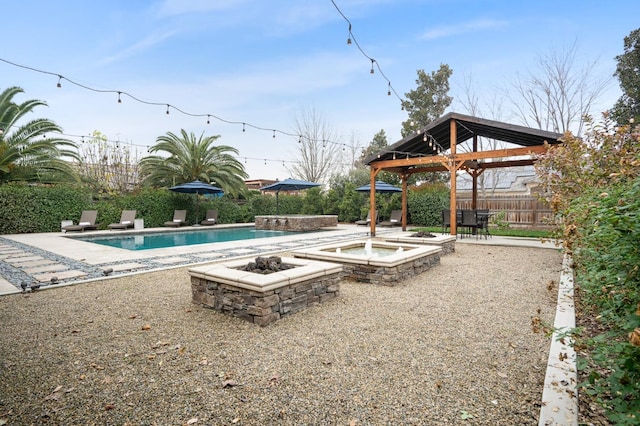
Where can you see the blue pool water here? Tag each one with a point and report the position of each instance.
(183, 238)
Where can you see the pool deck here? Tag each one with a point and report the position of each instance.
(39, 258)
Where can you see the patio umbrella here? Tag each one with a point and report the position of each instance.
(196, 187)
(382, 187)
(288, 185)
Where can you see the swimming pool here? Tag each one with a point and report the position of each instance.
(183, 238)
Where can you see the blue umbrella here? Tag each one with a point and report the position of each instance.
(288, 185)
(382, 187)
(197, 187)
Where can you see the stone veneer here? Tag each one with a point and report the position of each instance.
(263, 299)
(446, 242)
(387, 270)
(295, 222)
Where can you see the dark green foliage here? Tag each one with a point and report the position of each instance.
(312, 202)
(26, 209)
(628, 106)
(608, 273)
(426, 204)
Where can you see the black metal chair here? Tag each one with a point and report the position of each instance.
(469, 222)
(446, 220)
(482, 218)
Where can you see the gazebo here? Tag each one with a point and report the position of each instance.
(434, 149)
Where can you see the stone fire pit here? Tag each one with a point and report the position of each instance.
(272, 289)
(446, 242)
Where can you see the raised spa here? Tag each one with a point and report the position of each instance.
(377, 262)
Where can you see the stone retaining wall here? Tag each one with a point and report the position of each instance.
(390, 276)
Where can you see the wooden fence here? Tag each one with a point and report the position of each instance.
(522, 211)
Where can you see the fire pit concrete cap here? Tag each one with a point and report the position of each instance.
(228, 273)
(409, 253)
(405, 237)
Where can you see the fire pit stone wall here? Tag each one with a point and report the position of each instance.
(263, 299)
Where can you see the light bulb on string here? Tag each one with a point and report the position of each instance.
(208, 122)
(265, 161)
(59, 80)
(394, 155)
(243, 127)
(167, 109)
(119, 100)
(299, 138)
(349, 38)
(245, 160)
(274, 134)
(424, 137)
(372, 71)
(389, 90)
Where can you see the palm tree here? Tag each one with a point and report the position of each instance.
(27, 151)
(192, 158)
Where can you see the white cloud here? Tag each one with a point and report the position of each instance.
(463, 28)
(142, 45)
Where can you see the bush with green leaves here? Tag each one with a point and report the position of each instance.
(593, 187)
(426, 202)
(28, 208)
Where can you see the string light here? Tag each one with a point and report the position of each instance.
(121, 93)
(274, 134)
(373, 61)
(208, 122)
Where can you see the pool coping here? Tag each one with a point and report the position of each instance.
(94, 262)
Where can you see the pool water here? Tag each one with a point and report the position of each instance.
(184, 238)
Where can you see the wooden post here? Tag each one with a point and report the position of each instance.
(404, 201)
(372, 201)
(453, 170)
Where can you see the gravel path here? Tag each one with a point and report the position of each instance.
(452, 346)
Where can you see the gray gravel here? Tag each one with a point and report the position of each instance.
(452, 346)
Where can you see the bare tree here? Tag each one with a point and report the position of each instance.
(556, 96)
(108, 166)
(319, 151)
(470, 101)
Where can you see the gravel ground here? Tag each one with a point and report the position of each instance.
(454, 345)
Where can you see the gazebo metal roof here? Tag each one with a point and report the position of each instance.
(467, 127)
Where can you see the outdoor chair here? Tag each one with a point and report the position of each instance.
(482, 218)
(87, 221)
(211, 219)
(446, 220)
(367, 221)
(179, 219)
(394, 220)
(469, 222)
(126, 220)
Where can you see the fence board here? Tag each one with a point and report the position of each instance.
(525, 211)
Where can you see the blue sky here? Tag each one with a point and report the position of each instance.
(263, 61)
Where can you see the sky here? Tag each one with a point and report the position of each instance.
(265, 62)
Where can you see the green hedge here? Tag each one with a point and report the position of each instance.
(426, 203)
(27, 209)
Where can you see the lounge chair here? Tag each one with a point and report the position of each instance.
(211, 219)
(87, 221)
(179, 219)
(394, 220)
(126, 220)
(367, 221)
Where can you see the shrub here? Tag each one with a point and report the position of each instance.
(426, 203)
